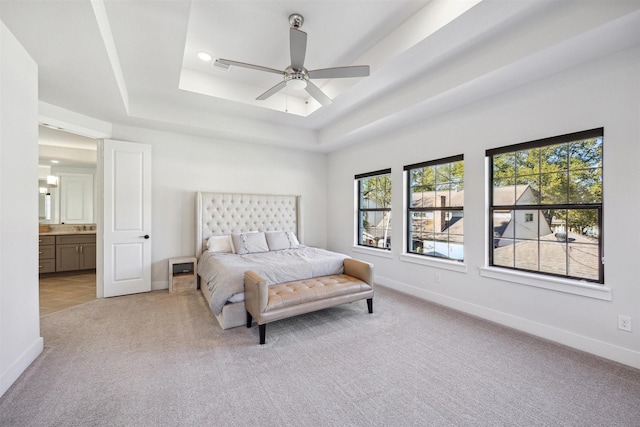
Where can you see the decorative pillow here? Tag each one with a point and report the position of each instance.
(220, 244)
(249, 243)
(278, 240)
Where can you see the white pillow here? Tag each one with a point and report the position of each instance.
(222, 244)
(249, 243)
(278, 240)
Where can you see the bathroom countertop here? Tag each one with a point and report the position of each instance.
(62, 232)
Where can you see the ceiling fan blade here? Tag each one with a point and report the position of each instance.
(319, 95)
(340, 72)
(272, 91)
(298, 48)
(250, 66)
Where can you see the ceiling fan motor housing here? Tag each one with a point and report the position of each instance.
(291, 74)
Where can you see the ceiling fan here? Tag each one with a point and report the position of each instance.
(295, 75)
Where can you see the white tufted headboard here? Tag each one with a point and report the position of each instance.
(226, 213)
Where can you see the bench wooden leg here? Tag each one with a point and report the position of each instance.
(249, 319)
(263, 332)
(370, 304)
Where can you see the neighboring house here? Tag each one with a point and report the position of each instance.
(428, 227)
(521, 225)
(526, 224)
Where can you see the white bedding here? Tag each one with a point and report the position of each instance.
(223, 273)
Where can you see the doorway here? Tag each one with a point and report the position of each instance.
(67, 218)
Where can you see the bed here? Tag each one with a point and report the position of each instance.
(268, 235)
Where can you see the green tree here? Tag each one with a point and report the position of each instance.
(568, 173)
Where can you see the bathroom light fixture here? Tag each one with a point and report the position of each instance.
(52, 181)
(43, 190)
(204, 56)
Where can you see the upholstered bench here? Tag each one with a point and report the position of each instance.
(268, 303)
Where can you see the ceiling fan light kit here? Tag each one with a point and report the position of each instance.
(296, 76)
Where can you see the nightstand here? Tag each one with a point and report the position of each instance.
(183, 273)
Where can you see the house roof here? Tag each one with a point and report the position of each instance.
(507, 194)
(551, 251)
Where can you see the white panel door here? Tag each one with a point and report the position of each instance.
(127, 218)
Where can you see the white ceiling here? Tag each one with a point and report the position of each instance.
(59, 148)
(125, 61)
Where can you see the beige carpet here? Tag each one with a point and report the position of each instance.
(160, 359)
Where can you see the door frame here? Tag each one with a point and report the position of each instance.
(72, 122)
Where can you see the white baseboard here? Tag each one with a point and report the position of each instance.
(16, 369)
(570, 339)
(156, 286)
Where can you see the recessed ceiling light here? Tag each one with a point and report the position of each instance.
(55, 161)
(204, 56)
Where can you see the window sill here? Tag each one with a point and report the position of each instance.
(383, 253)
(435, 262)
(569, 286)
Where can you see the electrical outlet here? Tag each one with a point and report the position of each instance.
(624, 322)
(436, 278)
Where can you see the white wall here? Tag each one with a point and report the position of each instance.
(604, 93)
(20, 341)
(182, 165)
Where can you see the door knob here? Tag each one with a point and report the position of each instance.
(146, 236)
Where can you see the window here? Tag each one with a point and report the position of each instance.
(374, 209)
(435, 194)
(546, 206)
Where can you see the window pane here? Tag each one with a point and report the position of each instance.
(456, 244)
(420, 199)
(504, 166)
(526, 225)
(502, 228)
(442, 196)
(423, 179)
(585, 186)
(527, 162)
(583, 223)
(503, 256)
(586, 153)
(584, 260)
(421, 225)
(526, 254)
(443, 173)
(376, 229)
(428, 244)
(457, 176)
(375, 192)
(504, 192)
(455, 224)
(554, 158)
(441, 244)
(527, 190)
(554, 188)
(553, 256)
